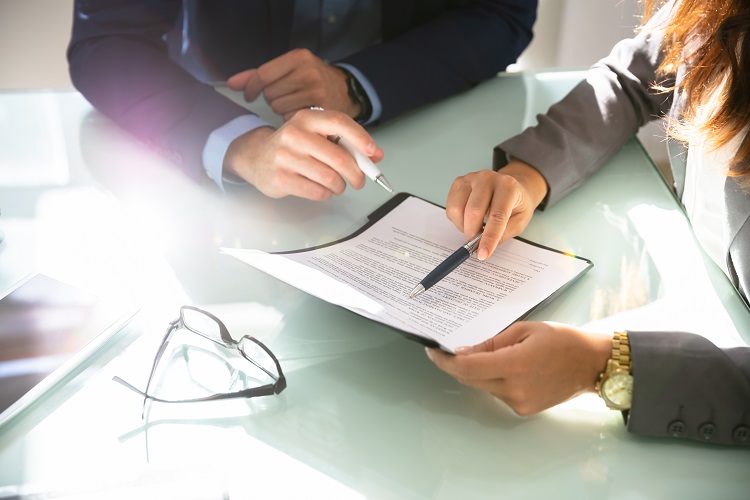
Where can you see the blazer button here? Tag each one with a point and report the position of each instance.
(741, 434)
(676, 428)
(707, 431)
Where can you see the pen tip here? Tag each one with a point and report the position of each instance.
(381, 180)
(418, 290)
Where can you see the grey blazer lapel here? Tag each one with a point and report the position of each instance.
(678, 161)
(737, 207)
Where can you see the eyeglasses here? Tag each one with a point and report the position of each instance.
(203, 376)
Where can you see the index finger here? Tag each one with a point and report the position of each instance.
(455, 205)
(334, 123)
(499, 212)
(248, 82)
(256, 80)
(239, 80)
(277, 68)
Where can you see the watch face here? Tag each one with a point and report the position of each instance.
(618, 390)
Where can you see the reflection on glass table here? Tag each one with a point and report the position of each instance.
(47, 330)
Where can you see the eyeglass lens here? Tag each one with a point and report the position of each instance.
(259, 357)
(201, 323)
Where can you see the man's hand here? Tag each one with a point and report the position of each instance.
(296, 80)
(298, 159)
(506, 198)
(531, 366)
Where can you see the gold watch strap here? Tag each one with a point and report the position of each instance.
(621, 349)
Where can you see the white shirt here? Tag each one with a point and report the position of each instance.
(703, 197)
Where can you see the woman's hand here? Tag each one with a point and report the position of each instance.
(507, 199)
(531, 366)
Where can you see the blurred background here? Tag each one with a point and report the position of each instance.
(568, 33)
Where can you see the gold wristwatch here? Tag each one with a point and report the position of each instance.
(615, 383)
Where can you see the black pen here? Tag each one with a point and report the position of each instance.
(447, 266)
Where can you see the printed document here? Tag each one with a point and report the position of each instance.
(372, 272)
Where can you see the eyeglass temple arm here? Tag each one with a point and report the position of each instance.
(264, 390)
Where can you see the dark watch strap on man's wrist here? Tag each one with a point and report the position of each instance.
(358, 95)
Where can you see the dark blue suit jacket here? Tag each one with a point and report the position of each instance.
(119, 59)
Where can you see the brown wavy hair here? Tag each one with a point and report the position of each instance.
(709, 39)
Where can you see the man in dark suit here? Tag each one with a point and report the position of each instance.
(147, 63)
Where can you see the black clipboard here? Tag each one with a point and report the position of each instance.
(372, 218)
(380, 212)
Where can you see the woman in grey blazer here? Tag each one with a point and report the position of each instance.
(666, 383)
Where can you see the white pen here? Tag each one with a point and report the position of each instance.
(365, 164)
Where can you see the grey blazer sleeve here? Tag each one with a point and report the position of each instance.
(590, 125)
(686, 387)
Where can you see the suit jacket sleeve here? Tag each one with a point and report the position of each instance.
(686, 387)
(590, 125)
(119, 61)
(429, 52)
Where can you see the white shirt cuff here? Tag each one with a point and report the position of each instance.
(218, 142)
